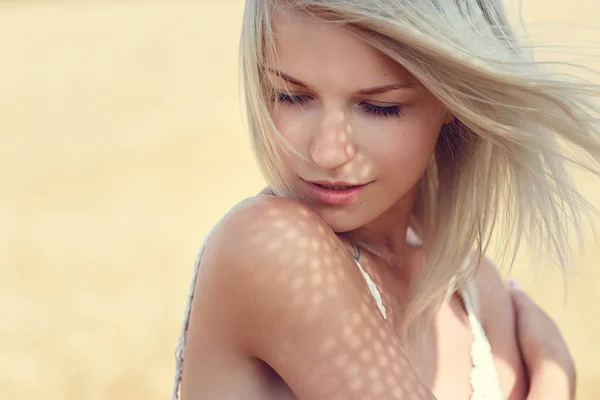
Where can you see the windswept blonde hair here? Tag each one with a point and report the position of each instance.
(500, 166)
(500, 169)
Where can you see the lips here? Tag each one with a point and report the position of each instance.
(334, 193)
(334, 184)
(335, 187)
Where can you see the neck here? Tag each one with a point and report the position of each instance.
(386, 236)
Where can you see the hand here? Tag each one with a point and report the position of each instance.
(550, 366)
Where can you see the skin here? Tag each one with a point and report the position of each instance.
(327, 121)
(547, 358)
(280, 310)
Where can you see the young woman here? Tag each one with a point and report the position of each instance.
(395, 136)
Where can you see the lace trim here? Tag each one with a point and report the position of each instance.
(373, 289)
(484, 378)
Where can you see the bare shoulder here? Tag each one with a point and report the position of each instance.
(490, 288)
(268, 225)
(284, 289)
(493, 298)
(498, 318)
(266, 240)
(233, 285)
(257, 238)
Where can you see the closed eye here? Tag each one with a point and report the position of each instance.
(286, 98)
(368, 108)
(381, 111)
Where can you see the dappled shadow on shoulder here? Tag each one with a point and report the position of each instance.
(329, 335)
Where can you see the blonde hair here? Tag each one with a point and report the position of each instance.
(500, 169)
(500, 166)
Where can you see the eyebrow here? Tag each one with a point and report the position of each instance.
(367, 91)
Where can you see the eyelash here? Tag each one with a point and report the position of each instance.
(368, 108)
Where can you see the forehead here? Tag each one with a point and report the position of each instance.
(329, 55)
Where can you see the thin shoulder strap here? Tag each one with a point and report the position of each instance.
(184, 326)
(373, 289)
(370, 284)
(484, 378)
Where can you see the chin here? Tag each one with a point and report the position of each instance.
(340, 220)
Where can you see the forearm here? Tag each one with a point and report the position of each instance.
(550, 381)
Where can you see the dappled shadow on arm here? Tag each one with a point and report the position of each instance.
(321, 329)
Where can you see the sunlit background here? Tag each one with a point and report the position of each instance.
(122, 141)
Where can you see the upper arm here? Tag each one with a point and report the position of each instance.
(215, 366)
(303, 308)
(498, 318)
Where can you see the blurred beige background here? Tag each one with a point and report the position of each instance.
(121, 142)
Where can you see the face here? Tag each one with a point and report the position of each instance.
(366, 128)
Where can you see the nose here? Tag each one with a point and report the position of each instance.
(332, 145)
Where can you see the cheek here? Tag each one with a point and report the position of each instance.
(405, 146)
(293, 126)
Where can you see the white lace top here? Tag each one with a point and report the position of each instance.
(484, 378)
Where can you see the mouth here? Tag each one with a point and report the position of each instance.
(335, 186)
(334, 193)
